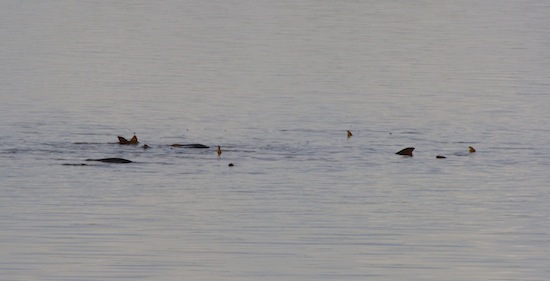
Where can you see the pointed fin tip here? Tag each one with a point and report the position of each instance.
(133, 140)
(406, 151)
(122, 140)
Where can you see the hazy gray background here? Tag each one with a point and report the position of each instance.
(276, 84)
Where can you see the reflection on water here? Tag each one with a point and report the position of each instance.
(276, 85)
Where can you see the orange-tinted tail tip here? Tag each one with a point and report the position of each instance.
(134, 140)
(219, 151)
(472, 150)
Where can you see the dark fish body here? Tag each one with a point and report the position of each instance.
(190, 145)
(111, 160)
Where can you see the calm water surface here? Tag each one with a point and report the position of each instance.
(276, 85)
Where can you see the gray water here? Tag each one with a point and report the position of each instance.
(276, 84)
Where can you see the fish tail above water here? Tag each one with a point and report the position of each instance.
(122, 140)
(133, 140)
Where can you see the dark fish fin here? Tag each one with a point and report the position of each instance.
(406, 151)
(122, 140)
